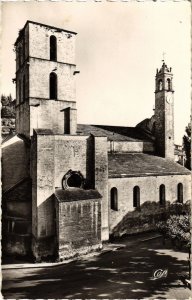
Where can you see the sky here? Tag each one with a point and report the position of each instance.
(118, 48)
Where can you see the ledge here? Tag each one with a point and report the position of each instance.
(76, 194)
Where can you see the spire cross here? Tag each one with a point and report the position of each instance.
(163, 60)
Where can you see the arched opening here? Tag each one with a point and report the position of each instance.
(162, 194)
(160, 85)
(136, 196)
(53, 86)
(73, 179)
(114, 199)
(168, 84)
(53, 48)
(180, 193)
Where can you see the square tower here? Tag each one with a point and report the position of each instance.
(45, 81)
(164, 113)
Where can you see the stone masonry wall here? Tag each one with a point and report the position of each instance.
(39, 72)
(40, 35)
(24, 71)
(33, 174)
(56, 155)
(164, 125)
(15, 162)
(78, 227)
(45, 185)
(42, 173)
(48, 114)
(37, 66)
(22, 43)
(70, 153)
(101, 180)
(23, 119)
(149, 191)
(124, 146)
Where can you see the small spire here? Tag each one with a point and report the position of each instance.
(163, 60)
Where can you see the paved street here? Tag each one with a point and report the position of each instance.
(124, 273)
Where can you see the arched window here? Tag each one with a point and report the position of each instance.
(162, 194)
(180, 193)
(114, 199)
(136, 196)
(53, 48)
(53, 86)
(24, 88)
(160, 85)
(169, 84)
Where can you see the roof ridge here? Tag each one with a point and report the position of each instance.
(121, 126)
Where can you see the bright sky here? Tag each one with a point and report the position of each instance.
(119, 46)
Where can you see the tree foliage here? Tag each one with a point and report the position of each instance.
(8, 107)
(6, 100)
(177, 227)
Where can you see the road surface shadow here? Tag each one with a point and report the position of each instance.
(125, 273)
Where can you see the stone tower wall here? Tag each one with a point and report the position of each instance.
(164, 114)
(101, 180)
(39, 43)
(33, 66)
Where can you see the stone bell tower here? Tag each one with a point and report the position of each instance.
(164, 112)
(45, 79)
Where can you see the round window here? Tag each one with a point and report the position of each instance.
(73, 179)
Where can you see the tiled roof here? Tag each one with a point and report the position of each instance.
(114, 133)
(139, 164)
(75, 194)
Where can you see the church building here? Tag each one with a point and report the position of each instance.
(68, 187)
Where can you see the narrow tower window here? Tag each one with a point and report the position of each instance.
(162, 194)
(136, 196)
(168, 84)
(67, 121)
(160, 85)
(114, 199)
(53, 86)
(180, 193)
(53, 48)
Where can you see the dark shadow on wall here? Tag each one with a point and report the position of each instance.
(16, 219)
(145, 217)
(44, 246)
(90, 164)
(122, 274)
(15, 163)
